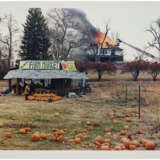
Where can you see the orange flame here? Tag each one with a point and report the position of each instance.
(99, 37)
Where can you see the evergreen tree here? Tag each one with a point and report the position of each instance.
(35, 42)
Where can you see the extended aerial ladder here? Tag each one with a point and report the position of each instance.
(139, 50)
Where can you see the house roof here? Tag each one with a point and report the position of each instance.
(44, 74)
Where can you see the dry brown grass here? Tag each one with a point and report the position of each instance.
(16, 112)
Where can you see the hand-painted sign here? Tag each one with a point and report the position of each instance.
(68, 65)
(40, 65)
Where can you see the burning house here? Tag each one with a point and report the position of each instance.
(104, 49)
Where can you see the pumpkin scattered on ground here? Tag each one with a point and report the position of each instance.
(8, 135)
(81, 136)
(126, 127)
(96, 124)
(28, 129)
(29, 123)
(77, 140)
(111, 117)
(22, 131)
(132, 147)
(99, 139)
(128, 120)
(139, 132)
(134, 142)
(105, 147)
(108, 141)
(56, 114)
(87, 123)
(148, 144)
(36, 136)
(107, 130)
(1, 125)
(123, 132)
(115, 122)
(43, 135)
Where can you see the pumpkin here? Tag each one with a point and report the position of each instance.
(88, 123)
(36, 136)
(1, 125)
(148, 144)
(107, 130)
(43, 135)
(134, 142)
(125, 141)
(8, 135)
(105, 147)
(77, 140)
(128, 120)
(54, 138)
(119, 147)
(139, 132)
(108, 141)
(60, 138)
(123, 133)
(29, 123)
(60, 132)
(96, 124)
(111, 117)
(115, 122)
(56, 114)
(22, 131)
(28, 129)
(126, 127)
(81, 136)
(99, 139)
(132, 147)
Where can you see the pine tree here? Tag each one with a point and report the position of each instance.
(35, 41)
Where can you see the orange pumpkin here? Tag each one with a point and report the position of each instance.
(105, 147)
(88, 123)
(96, 124)
(115, 122)
(126, 127)
(99, 139)
(36, 136)
(148, 144)
(28, 129)
(123, 133)
(128, 120)
(139, 132)
(29, 123)
(1, 125)
(8, 135)
(60, 138)
(111, 117)
(56, 114)
(108, 141)
(132, 147)
(134, 142)
(81, 136)
(43, 135)
(107, 130)
(22, 131)
(77, 140)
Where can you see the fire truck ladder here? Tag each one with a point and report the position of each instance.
(139, 50)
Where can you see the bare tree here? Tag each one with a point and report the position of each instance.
(7, 40)
(65, 33)
(154, 30)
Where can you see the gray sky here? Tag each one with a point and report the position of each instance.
(129, 19)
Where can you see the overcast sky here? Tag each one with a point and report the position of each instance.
(129, 19)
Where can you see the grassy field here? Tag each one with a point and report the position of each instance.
(107, 101)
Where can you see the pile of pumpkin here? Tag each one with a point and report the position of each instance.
(44, 97)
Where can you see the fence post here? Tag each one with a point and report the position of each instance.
(139, 101)
(126, 96)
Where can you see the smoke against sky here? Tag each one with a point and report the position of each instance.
(129, 19)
